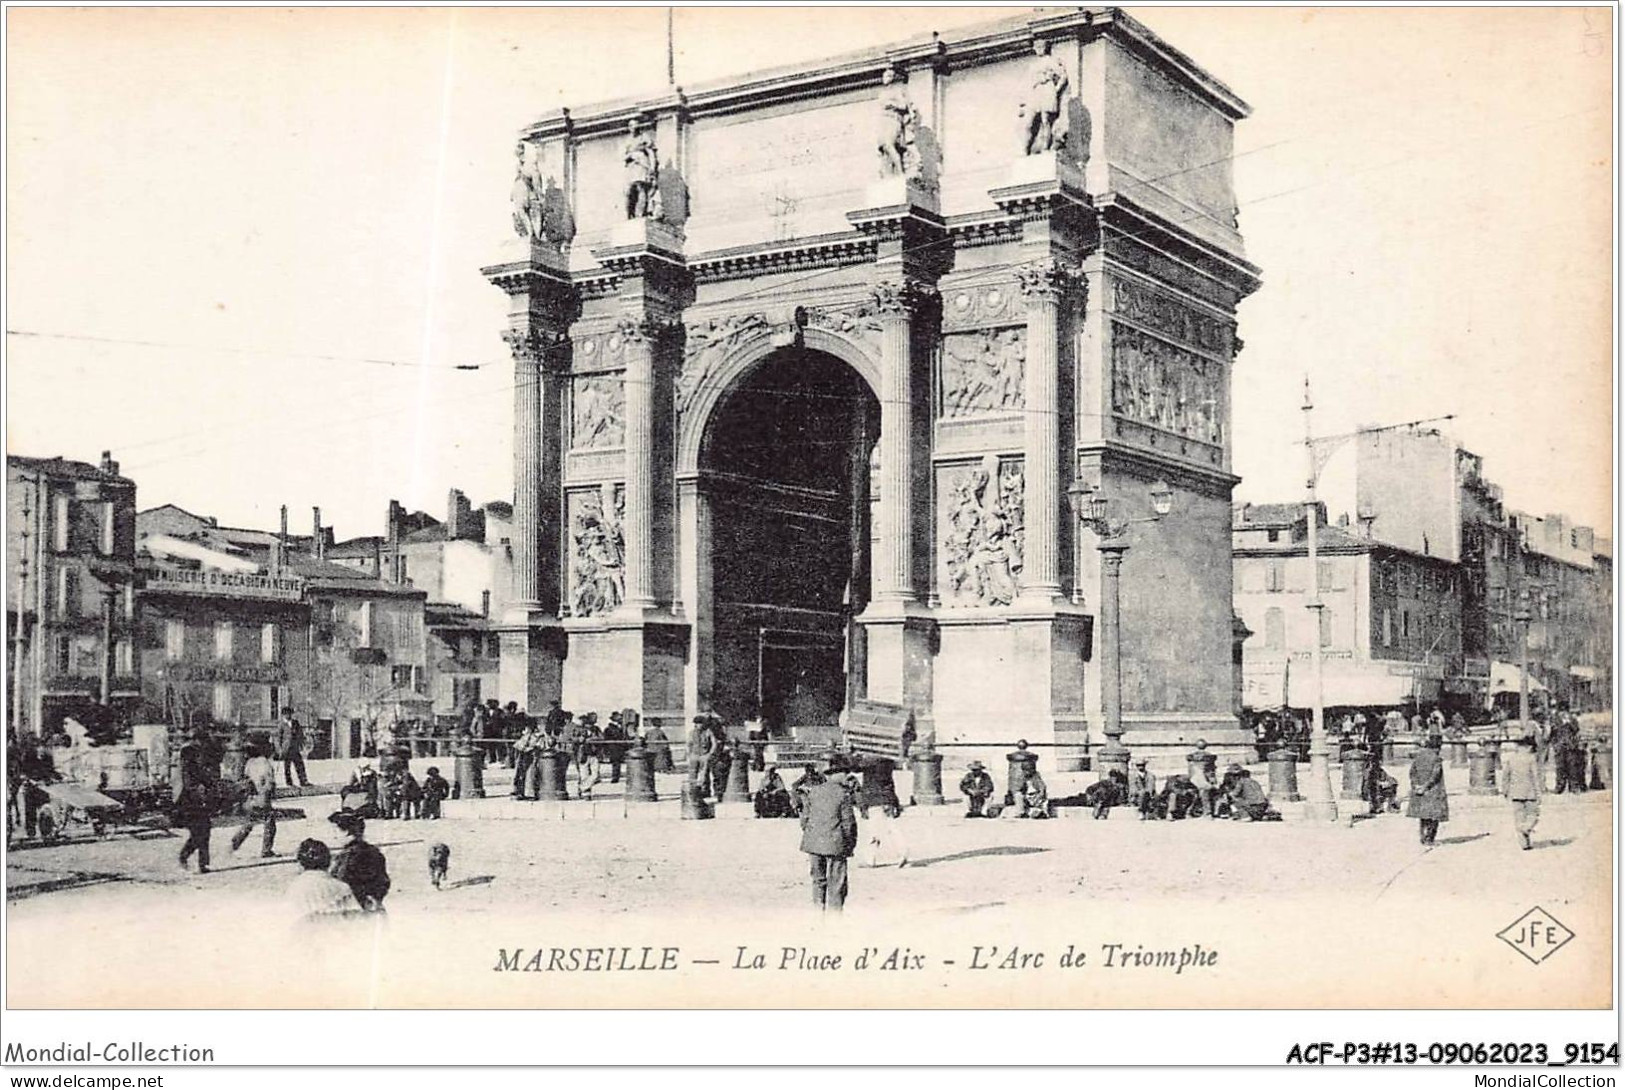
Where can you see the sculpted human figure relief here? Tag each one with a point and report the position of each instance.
(1042, 119)
(984, 537)
(898, 123)
(599, 583)
(642, 162)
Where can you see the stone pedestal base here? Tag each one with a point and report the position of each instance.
(900, 192)
(902, 644)
(533, 649)
(628, 663)
(1046, 172)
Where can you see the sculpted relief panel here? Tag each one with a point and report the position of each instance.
(597, 548)
(597, 412)
(981, 509)
(1170, 317)
(983, 372)
(1167, 387)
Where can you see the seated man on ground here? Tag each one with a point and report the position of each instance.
(1102, 795)
(1142, 788)
(977, 787)
(1247, 800)
(773, 798)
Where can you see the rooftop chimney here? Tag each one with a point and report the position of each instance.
(279, 550)
(317, 546)
(109, 466)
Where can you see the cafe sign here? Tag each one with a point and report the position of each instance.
(222, 584)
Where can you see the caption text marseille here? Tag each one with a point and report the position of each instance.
(646, 959)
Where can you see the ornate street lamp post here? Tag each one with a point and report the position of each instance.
(1521, 619)
(1094, 513)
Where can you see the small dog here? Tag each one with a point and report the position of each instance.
(439, 861)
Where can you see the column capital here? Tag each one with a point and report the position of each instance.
(647, 327)
(530, 345)
(902, 297)
(1048, 278)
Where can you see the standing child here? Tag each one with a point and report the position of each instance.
(411, 796)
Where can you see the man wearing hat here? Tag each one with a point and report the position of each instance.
(1521, 782)
(1247, 800)
(701, 743)
(977, 787)
(829, 833)
(614, 745)
(1429, 803)
(1142, 788)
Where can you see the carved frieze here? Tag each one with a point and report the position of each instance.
(597, 411)
(856, 320)
(1170, 317)
(983, 372)
(708, 344)
(982, 512)
(597, 551)
(979, 306)
(1165, 386)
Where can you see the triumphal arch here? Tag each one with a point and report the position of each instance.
(805, 365)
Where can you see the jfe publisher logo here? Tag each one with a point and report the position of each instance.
(1537, 935)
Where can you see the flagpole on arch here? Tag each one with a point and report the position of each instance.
(671, 48)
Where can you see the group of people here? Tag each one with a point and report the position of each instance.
(397, 794)
(590, 748)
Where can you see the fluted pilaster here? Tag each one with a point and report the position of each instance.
(1045, 285)
(528, 348)
(898, 305)
(642, 341)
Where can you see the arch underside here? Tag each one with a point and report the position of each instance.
(783, 460)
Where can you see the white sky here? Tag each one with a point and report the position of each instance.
(1428, 192)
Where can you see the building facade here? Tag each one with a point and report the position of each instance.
(797, 410)
(220, 645)
(70, 588)
(1389, 631)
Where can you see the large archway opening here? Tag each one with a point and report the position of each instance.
(786, 465)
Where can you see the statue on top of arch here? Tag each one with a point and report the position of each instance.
(899, 125)
(1051, 119)
(641, 159)
(540, 211)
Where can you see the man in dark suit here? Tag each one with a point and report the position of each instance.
(829, 833)
(290, 747)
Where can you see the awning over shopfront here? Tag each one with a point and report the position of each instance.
(1504, 679)
(1371, 689)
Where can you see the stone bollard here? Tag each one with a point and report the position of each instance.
(927, 778)
(1603, 754)
(1355, 762)
(469, 770)
(1284, 776)
(236, 756)
(550, 769)
(1108, 760)
(1481, 769)
(695, 807)
(738, 787)
(640, 775)
(1023, 762)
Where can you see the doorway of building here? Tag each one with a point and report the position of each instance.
(786, 468)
